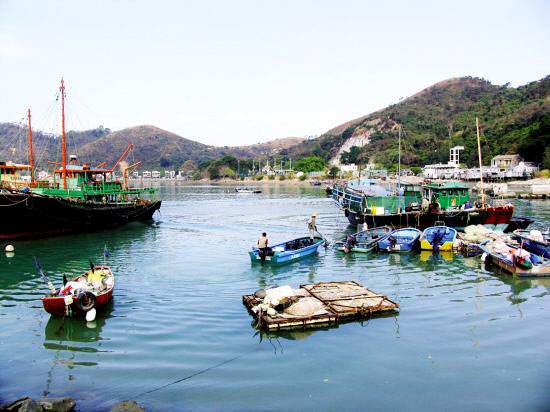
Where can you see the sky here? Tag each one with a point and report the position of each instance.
(242, 72)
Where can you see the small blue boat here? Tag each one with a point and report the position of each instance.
(364, 241)
(539, 246)
(287, 252)
(400, 240)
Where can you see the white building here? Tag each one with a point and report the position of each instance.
(155, 174)
(146, 174)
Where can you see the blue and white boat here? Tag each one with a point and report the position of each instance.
(289, 251)
(534, 241)
(400, 240)
(364, 241)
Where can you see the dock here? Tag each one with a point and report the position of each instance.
(330, 302)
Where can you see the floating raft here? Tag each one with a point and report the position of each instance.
(338, 300)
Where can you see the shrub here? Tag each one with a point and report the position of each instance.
(271, 177)
(259, 177)
(214, 172)
(282, 177)
(303, 177)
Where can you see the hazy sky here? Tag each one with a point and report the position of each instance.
(240, 72)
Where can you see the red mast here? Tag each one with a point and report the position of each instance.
(30, 149)
(63, 141)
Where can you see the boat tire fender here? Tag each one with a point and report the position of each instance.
(85, 301)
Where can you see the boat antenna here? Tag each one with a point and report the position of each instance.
(31, 160)
(480, 165)
(63, 138)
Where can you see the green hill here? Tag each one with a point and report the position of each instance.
(512, 120)
(154, 147)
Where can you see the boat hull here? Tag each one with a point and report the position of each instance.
(33, 216)
(498, 218)
(56, 305)
(405, 240)
(438, 238)
(363, 241)
(281, 258)
(515, 269)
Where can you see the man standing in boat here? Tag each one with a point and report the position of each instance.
(262, 247)
(312, 225)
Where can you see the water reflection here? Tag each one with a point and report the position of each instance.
(61, 331)
(76, 251)
(302, 333)
(267, 275)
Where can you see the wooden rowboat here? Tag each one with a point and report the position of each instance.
(289, 251)
(91, 290)
(527, 264)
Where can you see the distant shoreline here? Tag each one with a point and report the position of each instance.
(234, 182)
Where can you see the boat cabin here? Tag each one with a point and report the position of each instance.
(448, 195)
(11, 177)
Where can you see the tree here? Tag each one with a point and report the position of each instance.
(164, 162)
(187, 166)
(228, 172)
(310, 164)
(546, 159)
(333, 172)
(352, 156)
(214, 172)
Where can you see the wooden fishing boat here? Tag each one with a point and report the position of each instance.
(287, 252)
(246, 190)
(91, 290)
(400, 240)
(534, 241)
(438, 238)
(515, 260)
(76, 198)
(363, 241)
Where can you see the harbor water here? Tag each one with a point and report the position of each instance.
(177, 336)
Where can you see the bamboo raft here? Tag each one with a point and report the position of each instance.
(339, 300)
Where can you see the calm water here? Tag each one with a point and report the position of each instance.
(466, 338)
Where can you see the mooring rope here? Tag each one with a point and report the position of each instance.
(197, 373)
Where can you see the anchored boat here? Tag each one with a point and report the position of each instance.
(363, 241)
(514, 260)
(534, 241)
(77, 198)
(400, 240)
(438, 238)
(91, 290)
(246, 190)
(287, 252)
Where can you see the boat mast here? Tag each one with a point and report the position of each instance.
(63, 140)
(399, 163)
(480, 165)
(31, 160)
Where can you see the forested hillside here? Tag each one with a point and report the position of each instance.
(512, 120)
